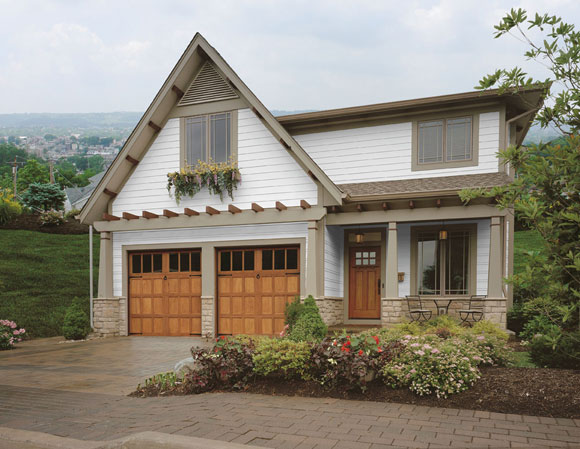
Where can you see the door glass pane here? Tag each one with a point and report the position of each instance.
(428, 264)
(431, 141)
(365, 261)
(457, 264)
(249, 260)
(291, 259)
(196, 261)
(372, 254)
(225, 261)
(365, 254)
(458, 139)
(373, 261)
(358, 262)
(146, 263)
(279, 259)
(136, 263)
(220, 137)
(237, 261)
(157, 263)
(267, 259)
(358, 254)
(195, 132)
(174, 262)
(184, 262)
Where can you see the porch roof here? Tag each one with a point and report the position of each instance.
(422, 186)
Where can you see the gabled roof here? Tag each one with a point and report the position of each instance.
(75, 194)
(197, 52)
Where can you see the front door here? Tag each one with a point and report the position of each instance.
(365, 283)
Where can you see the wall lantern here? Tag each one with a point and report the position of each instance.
(359, 237)
(442, 235)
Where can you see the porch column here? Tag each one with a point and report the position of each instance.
(315, 259)
(496, 262)
(495, 308)
(106, 266)
(208, 289)
(392, 281)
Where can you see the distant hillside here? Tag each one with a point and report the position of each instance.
(95, 123)
(105, 124)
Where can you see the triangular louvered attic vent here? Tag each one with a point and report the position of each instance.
(208, 85)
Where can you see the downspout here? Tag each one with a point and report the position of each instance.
(91, 273)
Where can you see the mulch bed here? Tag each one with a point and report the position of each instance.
(29, 222)
(525, 391)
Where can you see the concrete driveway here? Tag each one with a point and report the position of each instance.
(111, 365)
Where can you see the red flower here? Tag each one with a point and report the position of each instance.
(347, 349)
(376, 339)
(360, 352)
(223, 337)
(379, 350)
(347, 343)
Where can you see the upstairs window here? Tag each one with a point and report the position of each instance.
(208, 138)
(445, 143)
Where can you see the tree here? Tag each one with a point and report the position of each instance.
(44, 196)
(545, 194)
(32, 172)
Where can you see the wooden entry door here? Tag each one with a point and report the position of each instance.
(365, 283)
(165, 293)
(254, 285)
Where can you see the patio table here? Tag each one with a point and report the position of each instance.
(446, 306)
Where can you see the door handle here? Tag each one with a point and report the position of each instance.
(379, 286)
(164, 278)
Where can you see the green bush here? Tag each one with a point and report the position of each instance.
(556, 349)
(292, 312)
(282, 357)
(539, 325)
(50, 218)
(44, 197)
(9, 208)
(309, 325)
(485, 327)
(76, 324)
(72, 214)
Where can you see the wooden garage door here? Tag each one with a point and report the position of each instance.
(165, 293)
(254, 286)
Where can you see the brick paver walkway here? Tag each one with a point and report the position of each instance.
(277, 422)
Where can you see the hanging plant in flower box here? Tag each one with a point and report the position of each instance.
(218, 177)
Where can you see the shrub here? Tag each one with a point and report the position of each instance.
(76, 325)
(282, 357)
(443, 322)
(228, 364)
(50, 218)
(485, 327)
(44, 197)
(556, 349)
(72, 214)
(432, 367)
(350, 363)
(539, 325)
(309, 325)
(292, 312)
(9, 208)
(10, 334)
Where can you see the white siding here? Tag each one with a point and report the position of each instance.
(252, 233)
(334, 261)
(383, 153)
(404, 250)
(269, 174)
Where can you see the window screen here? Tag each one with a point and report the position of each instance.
(431, 141)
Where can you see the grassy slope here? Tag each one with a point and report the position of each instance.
(40, 274)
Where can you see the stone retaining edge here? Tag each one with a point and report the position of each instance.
(26, 439)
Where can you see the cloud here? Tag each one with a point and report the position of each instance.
(108, 55)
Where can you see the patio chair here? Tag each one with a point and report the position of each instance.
(417, 311)
(474, 311)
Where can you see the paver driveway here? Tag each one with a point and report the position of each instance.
(77, 391)
(111, 365)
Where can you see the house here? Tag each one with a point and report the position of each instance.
(357, 207)
(76, 197)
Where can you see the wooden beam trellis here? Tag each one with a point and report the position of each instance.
(169, 213)
(190, 212)
(128, 216)
(211, 211)
(147, 214)
(109, 217)
(257, 208)
(233, 209)
(280, 206)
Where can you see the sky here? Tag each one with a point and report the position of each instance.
(104, 56)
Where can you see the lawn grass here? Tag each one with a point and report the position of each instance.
(40, 274)
(525, 242)
(521, 359)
